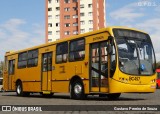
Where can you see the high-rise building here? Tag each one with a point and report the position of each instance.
(65, 18)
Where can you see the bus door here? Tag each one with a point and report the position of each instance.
(99, 67)
(46, 71)
(11, 73)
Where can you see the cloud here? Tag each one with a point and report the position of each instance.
(127, 13)
(152, 26)
(13, 36)
(144, 18)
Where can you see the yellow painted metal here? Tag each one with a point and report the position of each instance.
(59, 78)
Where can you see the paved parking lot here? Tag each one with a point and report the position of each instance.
(125, 100)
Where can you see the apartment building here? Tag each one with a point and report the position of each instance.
(65, 18)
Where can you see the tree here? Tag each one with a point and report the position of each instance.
(158, 64)
(1, 68)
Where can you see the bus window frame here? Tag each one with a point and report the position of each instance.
(66, 42)
(26, 59)
(76, 50)
(33, 58)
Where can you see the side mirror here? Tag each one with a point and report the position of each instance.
(109, 47)
(110, 38)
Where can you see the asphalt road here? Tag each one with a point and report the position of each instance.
(125, 100)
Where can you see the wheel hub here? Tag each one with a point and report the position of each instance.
(18, 89)
(77, 89)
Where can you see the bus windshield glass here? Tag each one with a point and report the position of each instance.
(135, 50)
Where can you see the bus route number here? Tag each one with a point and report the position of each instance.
(134, 78)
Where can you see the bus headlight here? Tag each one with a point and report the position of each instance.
(124, 80)
(153, 81)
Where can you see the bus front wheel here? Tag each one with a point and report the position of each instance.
(77, 90)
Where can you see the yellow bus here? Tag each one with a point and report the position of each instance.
(106, 62)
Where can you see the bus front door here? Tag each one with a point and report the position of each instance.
(99, 67)
(46, 71)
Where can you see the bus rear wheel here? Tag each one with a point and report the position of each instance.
(77, 90)
(19, 90)
(113, 96)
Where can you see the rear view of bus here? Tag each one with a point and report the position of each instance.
(136, 62)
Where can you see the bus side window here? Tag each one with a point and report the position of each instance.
(77, 50)
(32, 58)
(62, 52)
(22, 60)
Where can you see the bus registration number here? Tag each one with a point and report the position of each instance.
(134, 78)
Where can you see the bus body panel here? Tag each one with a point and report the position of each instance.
(34, 79)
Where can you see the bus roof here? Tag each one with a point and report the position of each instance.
(71, 38)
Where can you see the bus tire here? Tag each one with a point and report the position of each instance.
(113, 96)
(19, 89)
(77, 90)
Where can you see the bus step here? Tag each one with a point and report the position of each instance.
(46, 92)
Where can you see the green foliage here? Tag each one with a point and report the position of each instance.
(1, 68)
(158, 64)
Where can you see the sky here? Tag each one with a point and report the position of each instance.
(22, 22)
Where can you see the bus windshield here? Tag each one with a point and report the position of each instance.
(136, 54)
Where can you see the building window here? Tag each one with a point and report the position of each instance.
(57, 8)
(82, 30)
(75, 24)
(82, 22)
(66, 1)
(49, 24)
(90, 29)
(62, 52)
(57, 24)
(57, 1)
(77, 50)
(49, 1)
(67, 9)
(81, 14)
(90, 22)
(75, 8)
(49, 16)
(67, 24)
(82, 6)
(49, 40)
(75, 16)
(22, 60)
(89, 5)
(57, 16)
(75, 0)
(49, 9)
(57, 32)
(67, 33)
(75, 32)
(49, 32)
(67, 17)
(32, 58)
(90, 13)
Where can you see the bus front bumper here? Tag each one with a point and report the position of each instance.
(119, 87)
